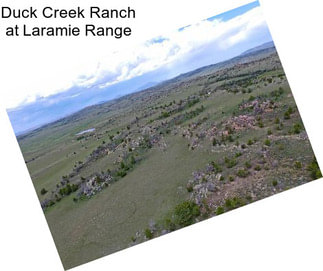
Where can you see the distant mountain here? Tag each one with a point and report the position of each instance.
(55, 107)
(147, 85)
(264, 46)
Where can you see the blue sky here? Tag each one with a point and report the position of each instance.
(210, 41)
(235, 12)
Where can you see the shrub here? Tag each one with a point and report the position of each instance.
(250, 142)
(314, 169)
(231, 178)
(269, 132)
(230, 163)
(251, 98)
(230, 138)
(68, 189)
(298, 165)
(214, 142)
(267, 142)
(219, 210)
(132, 160)
(257, 168)
(277, 93)
(274, 183)
(238, 154)
(286, 115)
(290, 110)
(165, 115)
(43, 191)
(242, 173)
(148, 234)
(297, 128)
(185, 213)
(233, 203)
(121, 173)
(216, 167)
(247, 164)
(277, 121)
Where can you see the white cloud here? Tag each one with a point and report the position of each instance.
(148, 56)
(153, 55)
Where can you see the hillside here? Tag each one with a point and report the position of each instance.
(190, 148)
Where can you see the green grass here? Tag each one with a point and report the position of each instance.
(152, 161)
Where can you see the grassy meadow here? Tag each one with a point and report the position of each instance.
(188, 149)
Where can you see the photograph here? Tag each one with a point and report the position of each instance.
(156, 137)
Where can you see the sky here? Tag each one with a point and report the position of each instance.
(121, 72)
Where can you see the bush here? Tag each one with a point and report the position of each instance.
(68, 189)
(43, 191)
(286, 115)
(269, 132)
(257, 167)
(214, 142)
(230, 163)
(121, 173)
(250, 142)
(219, 210)
(165, 115)
(231, 178)
(277, 93)
(290, 110)
(251, 98)
(297, 128)
(233, 203)
(216, 167)
(247, 164)
(267, 142)
(185, 213)
(238, 154)
(242, 173)
(275, 183)
(314, 169)
(132, 160)
(298, 165)
(148, 234)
